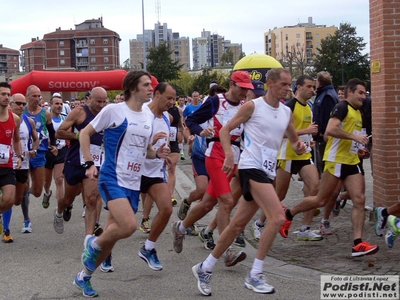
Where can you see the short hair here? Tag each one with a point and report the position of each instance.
(324, 78)
(5, 85)
(216, 89)
(51, 99)
(275, 74)
(352, 85)
(162, 87)
(302, 79)
(341, 88)
(28, 90)
(131, 82)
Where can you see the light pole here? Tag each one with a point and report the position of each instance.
(144, 40)
(341, 62)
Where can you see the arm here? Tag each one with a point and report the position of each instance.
(35, 139)
(84, 141)
(64, 131)
(240, 117)
(16, 142)
(333, 129)
(298, 146)
(50, 129)
(207, 110)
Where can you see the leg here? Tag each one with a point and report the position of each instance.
(59, 180)
(92, 197)
(37, 179)
(171, 173)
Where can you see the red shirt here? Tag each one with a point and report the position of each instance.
(7, 130)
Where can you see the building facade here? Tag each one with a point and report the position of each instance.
(88, 47)
(299, 41)
(9, 63)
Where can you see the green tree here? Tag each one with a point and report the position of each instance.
(161, 65)
(183, 84)
(201, 82)
(126, 65)
(227, 58)
(343, 49)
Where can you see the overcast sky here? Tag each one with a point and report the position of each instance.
(237, 20)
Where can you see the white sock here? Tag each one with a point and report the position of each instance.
(209, 263)
(83, 274)
(59, 215)
(95, 245)
(257, 267)
(181, 228)
(207, 230)
(149, 245)
(259, 223)
(304, 227)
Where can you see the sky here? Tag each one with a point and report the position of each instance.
(236, 20)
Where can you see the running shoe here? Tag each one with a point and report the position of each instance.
(84, 211)
(183, 209)
(7, 238)
(192, 231)
(325, 227)
(58, 223)
(174, 201)
(67, 213)
(46, 199)
(90, 254)
(308, 235)
(392, 231)
(284, 230)
(203, 279)
(336, 208)
(380, 222)
(207, 239)
(178, 237)
(258, 284)
(27, 227)
(106, 265)
(232, 256)
(364, 248)
(85, 286)
(182, 156)
(97, 230)
(239, 240)
(145, 226)
(256, 231)
(150, 257)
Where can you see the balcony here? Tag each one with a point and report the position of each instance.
(81, 45)
(82, 63)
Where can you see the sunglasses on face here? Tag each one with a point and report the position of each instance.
(20, 103)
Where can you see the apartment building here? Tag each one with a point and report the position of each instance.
(88, 47)
(9, 62)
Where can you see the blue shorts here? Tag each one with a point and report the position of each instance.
(111, 191)
(199, 167)
(38, 161)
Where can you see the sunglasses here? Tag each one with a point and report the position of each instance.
(20, 103)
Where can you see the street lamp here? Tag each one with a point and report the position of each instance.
(341, 62)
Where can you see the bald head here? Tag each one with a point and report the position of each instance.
(98, 99)
(17, 97)
(17, 104)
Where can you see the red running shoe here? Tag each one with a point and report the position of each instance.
(284, 230)
(364, 248)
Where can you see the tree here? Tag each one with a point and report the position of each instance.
(201, 82)
(227, 58)
(295, 60)
(161, 65)
(184, 84)
(343, 49)
(126, 65)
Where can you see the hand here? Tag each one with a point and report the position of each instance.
(364, 153)
(228, 166)
(313, 129)
(92, 173)
(208, 132)
(163, 151)
(19, 163)
(32, 153)
(300, 147)
(159, 135)
(54, 150)
(361, 139)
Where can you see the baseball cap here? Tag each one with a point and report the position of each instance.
(258, 87)
(56, 95)
(242, 79)
(213, 83)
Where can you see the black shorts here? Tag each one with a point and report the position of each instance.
(293, 166)
(74, 174)
(254, 174)
(21, 175)
(147, 182)
(174, 146)
(52, 160)
(7, 176)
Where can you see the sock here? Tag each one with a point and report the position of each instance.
(47, 193)
(95, 245)
(58, 215)
(357, 241)
(25, 205)
(207, 230)
(323, 220)
(83, 274)
(289, 215)
(304, 227)
(257, 267)
(149, 245)
(384, 213)
(259, 223)
(7, 218)
(181, 228)
(209, 263)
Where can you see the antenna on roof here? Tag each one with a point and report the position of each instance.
(158, 10)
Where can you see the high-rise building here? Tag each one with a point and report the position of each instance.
(152, 38)
(9, 62)
(89, 46)
(301, 41)
(209, 48)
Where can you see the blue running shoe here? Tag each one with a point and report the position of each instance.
(392, 231)
(90, 254)
(203, 279)
(106, 265)
(85, 286)
(150, 256)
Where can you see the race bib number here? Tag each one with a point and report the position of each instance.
(133, 163)
(306, 139)
(173, 134)
(5, 151)
(354, 145)
(269, 157)
(95, 151)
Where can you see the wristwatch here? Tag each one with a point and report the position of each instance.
(88, 164)
(21, 157)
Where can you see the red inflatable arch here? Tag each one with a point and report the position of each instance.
(71, 81)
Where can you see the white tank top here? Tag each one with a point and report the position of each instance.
(24, 140)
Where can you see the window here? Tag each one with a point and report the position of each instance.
(105, 41)
(62, 61)
(105, 50)
(317, 35)
(15, 57)
(92, 50)
(93, 59)
(317, 44)
(298, 35)
(61, 52)
(286, 36)
(15, 65)
(298, 44)
(106, 59)
(92, 41)
(316, 52)
(61, 43)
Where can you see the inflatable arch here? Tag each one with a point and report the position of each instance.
(257, 65)
(70, 81)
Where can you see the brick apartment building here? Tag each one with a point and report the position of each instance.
(9, 62)
(88, 47)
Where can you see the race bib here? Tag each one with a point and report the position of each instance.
(354, 145)
(133, 163)
(269, 157)
(95, 151)
(5, 151)
(173, 134)
(306, 139)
